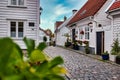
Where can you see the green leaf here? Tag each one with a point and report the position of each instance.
(30, 44)
(37, 56)
(42, 46)
(6, 48)
(56, 61)
(53, 77)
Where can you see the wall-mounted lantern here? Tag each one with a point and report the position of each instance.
(90, 24)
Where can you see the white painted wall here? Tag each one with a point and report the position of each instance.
(41, 35)
(61, 39)
(30, 13)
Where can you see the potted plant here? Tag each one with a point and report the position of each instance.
(87, 49)
(80, 42)
(75, 45)
(105, 56)
(115, 51)
(118, 59)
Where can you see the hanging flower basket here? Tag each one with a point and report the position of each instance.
(85, 42)
(82, 32)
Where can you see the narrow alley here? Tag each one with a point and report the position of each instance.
(81, 67)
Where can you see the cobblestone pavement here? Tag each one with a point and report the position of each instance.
(81, 67)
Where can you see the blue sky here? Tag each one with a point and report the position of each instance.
(55, 10)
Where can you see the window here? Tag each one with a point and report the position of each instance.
(16, 29)
(86, 32)
(31, 24)
(80, 35)
(20, 2)
(13, 2)
(17, 2)
(13, 29)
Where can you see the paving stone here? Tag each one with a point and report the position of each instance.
(81, 67)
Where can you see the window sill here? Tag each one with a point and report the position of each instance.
(17, 38)
(16, 6)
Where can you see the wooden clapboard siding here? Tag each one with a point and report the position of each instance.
(29, 13)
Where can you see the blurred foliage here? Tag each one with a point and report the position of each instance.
(13, 67)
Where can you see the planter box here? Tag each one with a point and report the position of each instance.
(112, 58)
(117, 60)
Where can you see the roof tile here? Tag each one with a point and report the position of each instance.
(89, 9)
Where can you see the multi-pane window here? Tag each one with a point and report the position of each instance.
(80, 35)
(16, 29)
(20, 29)
(13, 29)
(18, 2)
(13, 2)
(87, 33)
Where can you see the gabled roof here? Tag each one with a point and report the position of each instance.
(89, 9)
(115, 5)
(58, 23)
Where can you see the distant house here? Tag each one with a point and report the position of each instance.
(91, 23)
(62, 30)
(20, 18)
(43, 33)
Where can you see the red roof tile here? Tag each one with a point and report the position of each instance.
(115, 5)
(89, 9)
(58, 23)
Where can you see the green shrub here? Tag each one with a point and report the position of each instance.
(115, 47)
(12, 66)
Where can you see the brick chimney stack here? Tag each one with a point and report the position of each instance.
(74, 11)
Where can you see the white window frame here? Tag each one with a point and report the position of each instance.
(16, 29)
(87, 32)
(17, 5)
(81, 35)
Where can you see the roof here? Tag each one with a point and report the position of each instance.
(45, 31)
(58, 23)
(90, 8)
(115, 5)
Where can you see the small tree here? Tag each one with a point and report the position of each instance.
(115, 48)
(44, 38)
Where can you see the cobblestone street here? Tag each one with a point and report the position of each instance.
(81, 67)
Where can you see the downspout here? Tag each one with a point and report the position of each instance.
(94, 25)
(38, 22)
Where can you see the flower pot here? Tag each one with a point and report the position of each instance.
(105, 56)
(75, 47)
(117, 59)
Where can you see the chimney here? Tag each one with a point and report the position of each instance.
(65, 18)
(74, 11)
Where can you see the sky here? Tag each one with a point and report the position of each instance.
(55, 10)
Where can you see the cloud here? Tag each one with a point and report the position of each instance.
(55, 10)
(60, 10)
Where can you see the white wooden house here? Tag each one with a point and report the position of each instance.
(18, 19)
(91, 23)
(43, 33)
(114, 15)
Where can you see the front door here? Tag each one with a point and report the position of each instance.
(99, 43)
(73, 34)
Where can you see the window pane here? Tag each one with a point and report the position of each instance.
(13, 29)
(13, 2)
(20, 2)
(20, 29)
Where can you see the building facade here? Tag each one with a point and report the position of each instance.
(18, 19)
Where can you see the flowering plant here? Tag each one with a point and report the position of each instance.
(82, 32)
(85, 42)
